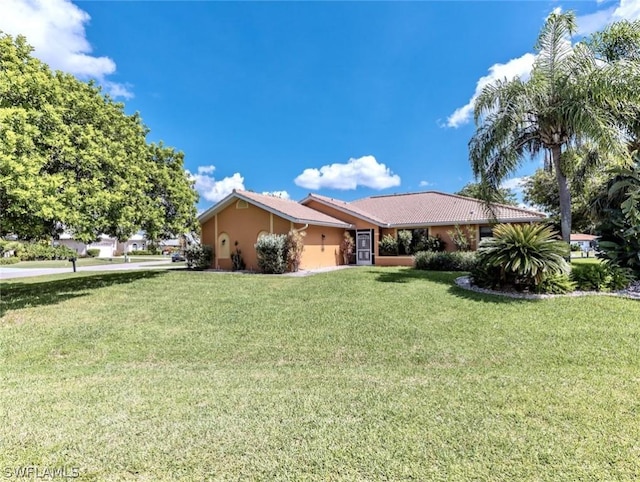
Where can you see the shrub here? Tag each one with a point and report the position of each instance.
(141, 252)
(93, 252)
(346, 248)
(600, 277)
(295, 246)
(237, 263)
(556, 284)
(11, 260)
(271, 250)
(404, 241)
(460, 239)
(43, 251)
(520, 256)
(443, 261)
(430, 243)
(388, 246)
(576, 247)
(199, 256)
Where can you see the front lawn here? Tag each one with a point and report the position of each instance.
(359, 374)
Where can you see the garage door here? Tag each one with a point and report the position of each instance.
(106, 249)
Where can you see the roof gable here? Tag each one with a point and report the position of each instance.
(285, 208)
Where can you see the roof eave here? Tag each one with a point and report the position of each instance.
(465, 222)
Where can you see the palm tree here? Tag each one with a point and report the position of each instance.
(572, 98)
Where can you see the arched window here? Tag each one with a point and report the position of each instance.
(262, 233)
(223, 246)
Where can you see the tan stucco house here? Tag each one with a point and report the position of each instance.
(242, 217)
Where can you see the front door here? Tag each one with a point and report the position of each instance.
(363, 247)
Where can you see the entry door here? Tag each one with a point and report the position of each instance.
(363, 247)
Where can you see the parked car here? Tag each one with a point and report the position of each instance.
(175, 257)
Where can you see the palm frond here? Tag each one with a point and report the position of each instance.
(554, 46)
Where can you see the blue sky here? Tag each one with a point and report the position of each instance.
(344, 99)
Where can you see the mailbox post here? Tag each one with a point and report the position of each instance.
(73, 261)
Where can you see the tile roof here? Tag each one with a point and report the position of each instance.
(286, 208)
(433, 207)
(345, 206)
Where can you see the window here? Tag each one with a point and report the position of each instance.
(242, 204)
(486, 232)
(262, 233)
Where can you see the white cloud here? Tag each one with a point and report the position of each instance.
(56, 31)
(365, 171)
(213, 190)
(516, 183)
(623, 10)
(425, 183)
(518, 67)
(280, 194)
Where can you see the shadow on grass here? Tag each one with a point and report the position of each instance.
(407, 275)
(17, 295)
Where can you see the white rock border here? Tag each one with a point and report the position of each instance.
(464, 282)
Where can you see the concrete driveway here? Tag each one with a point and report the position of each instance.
(11, 273)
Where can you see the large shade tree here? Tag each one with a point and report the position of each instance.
(71, 158)
(573, 98)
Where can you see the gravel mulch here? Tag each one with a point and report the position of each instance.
(633, 291)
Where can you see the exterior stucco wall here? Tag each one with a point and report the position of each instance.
(244, 225)
(347, 218)
(321, 252)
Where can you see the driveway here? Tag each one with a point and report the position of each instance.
(10, 273)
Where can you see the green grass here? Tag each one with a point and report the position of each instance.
(63, 263)
(360, 374)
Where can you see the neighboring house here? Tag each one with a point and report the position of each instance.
(586, 242)
(238, 220)
(107, 245)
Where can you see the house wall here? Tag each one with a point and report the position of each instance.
(348, 218)
(244, 226)
(77, 246)
(319, 252)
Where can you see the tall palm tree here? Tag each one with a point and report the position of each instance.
(571, 98)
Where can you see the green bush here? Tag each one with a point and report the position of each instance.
(600, 277)
(271, 250)
(388, 246)
(461, 239)
(404, 241)
(576, 247)
(443, 261)
(93, 252)
(43, 251)
(141, 252)
(429, 243)
(520, 257)
(11, 260)
(199, 256)
(556, 284)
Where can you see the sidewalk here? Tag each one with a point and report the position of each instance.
(12, 273)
